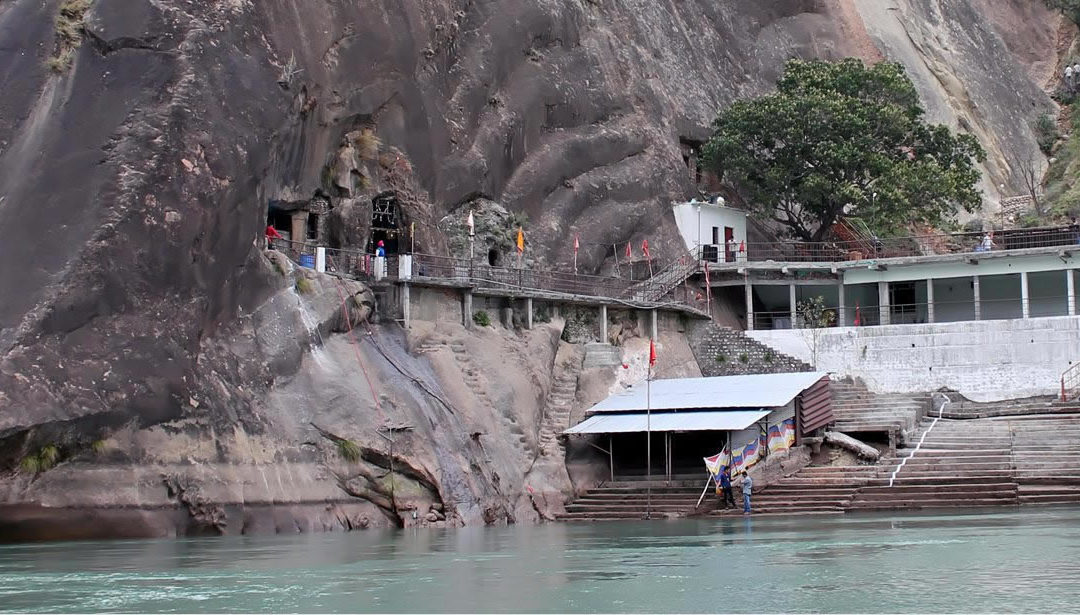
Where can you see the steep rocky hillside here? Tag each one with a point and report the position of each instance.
(141, 141)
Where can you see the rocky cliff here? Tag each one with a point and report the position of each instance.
(141, 142)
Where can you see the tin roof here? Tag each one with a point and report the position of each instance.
(705, 420)
(750, 391)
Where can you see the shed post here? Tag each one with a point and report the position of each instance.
(841, 313)
(749, 305)
(930, 300)
(603, 324)
(793, 307)
(883, 302)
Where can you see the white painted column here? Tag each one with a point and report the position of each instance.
(749, 305)
(1025, 304)
(406, 305)
(883, 302)
(1070, 290)
(320, 259)
(978, 297)
(528, 313)
(653, 329)
(793, 306)
(930, 300)
(841, 312)
(603, 324)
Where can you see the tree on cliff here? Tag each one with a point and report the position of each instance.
(1068, 8)
(839, 138)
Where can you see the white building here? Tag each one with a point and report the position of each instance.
(721, 229)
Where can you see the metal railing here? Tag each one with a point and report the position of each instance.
(1070, 383)
(509, 278)
(919, 245)
(919, 313)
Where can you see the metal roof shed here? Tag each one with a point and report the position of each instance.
(719, 392)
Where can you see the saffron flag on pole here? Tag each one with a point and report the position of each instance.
(575, 244)
(472, 224)
(645, 249)
(652, 353)
(520, 240)
(629, 252)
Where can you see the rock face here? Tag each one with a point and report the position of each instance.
(138, 307)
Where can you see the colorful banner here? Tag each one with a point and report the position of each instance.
(716, 464)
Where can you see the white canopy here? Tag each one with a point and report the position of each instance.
(750, 391)
(707, 420)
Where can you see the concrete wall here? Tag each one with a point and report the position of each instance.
(436, 304)
(984, 360)
(697, 230)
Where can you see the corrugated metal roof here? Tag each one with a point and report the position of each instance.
(703, 420)
(751, 391)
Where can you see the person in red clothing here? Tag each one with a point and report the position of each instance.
(271, 234)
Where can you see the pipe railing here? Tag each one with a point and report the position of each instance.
(1070, 383)
(917, 245)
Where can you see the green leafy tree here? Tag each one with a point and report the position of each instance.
(841, 138)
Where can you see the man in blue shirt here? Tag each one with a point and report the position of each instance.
(727, 499)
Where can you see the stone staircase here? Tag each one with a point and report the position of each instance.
(599, 354)
(858, 411)
(470, 376)
(627, 499)
(558, 405)
(722, 351)
(812, 490)
(1046, 404)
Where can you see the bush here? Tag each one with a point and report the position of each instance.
(30, 464)
(348, 450)
(304, 286)
(1046, 133)
(770, 356)
(721, 358)
(367, 144)
(481, 319)
(744, 358)
(68, 28)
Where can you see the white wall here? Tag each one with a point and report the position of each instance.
(984, 360)
(695, 231)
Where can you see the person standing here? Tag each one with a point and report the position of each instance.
(728, 500)
(271, 235)
(747, 488)
(380, 249)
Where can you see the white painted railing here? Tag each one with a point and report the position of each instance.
(944, 402)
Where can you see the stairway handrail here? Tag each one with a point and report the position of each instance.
(903, 461)
(1070, 382)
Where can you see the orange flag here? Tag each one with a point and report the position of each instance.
(652, 353)
(520, 240)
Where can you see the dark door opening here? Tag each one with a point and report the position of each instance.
(729, 243)
(902, 302)
(385, 223)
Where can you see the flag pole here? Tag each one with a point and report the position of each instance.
(648, 441)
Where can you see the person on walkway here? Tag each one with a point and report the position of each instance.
(727, 499)
(747, 487)
(380, 248)
(1074, 229)
(271, 234)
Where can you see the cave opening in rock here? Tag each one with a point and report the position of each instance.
(691, 150)
(280, 219)
(494, 257)
(385, 222)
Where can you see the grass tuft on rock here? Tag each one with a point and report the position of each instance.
(30, 464)
(348, 450)
(304, 286)
(98, 446)
(482, 319)
(69, 33)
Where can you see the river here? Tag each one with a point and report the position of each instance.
(1018, 560)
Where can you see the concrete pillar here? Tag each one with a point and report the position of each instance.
(978, 296)
(653, 330)
(603, 324)
(749, 305)
(930, 300)
(1070, 290)
(528, 313)
(792, 306)
(320, 259)
(406, 306)
(298, 231)
(466, 308)
(883, 302)
(841, 312)
(1025, 304)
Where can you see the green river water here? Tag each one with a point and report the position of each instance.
(1019, 560)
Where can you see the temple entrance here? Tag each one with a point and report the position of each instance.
(385, 223)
